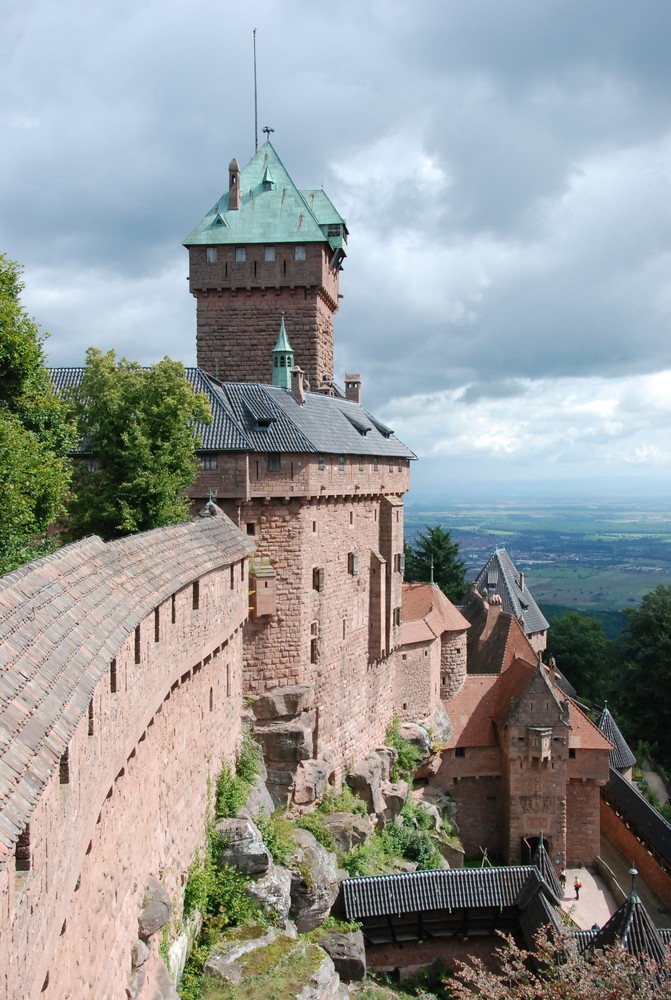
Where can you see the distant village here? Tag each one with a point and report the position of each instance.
(134, 674)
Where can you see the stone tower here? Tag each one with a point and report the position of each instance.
(264, 249)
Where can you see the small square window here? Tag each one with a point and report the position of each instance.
(274, 463)
(299, 252)
(251, 528)
(460, 751)
(240, 255)
(211, 255)
(269, 254)
(208, 462)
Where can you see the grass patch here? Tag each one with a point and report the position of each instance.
(314, 823)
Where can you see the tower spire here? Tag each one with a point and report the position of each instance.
(283, 358)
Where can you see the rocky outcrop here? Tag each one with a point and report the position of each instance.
(348, 829)
(393, 798)
(244, 849)
(348, 953)
(273, 892)
(259, 803)
(138, 958)
(310, 781)
(283, 702)
(181, 946)
(156, 908)
(365, 780)
(417, 735)
(278, 964)
(163, 987)
(314, 882)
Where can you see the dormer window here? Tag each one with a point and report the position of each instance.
(269, 254)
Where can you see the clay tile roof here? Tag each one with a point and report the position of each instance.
(62, 619)
(499, 576)
(480, 701)
(427, 613)
(584, 734)
(621, 756)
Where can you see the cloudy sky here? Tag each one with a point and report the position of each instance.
(504, 167)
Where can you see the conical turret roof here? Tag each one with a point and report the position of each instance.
(621, 756)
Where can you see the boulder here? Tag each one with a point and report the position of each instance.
(429, 767)
(139, 954)
(273, 892)
(291, 968)
(348, 952)
(284, 702)
(288, 741)
(314, 882)
(224, 962)
(259, 801)
(393, 796)
(156, 908)
(348, 829)
(310, 781)
(438, 723)
(244, 849)
(417, 735)
(365, 780)
(388, 756)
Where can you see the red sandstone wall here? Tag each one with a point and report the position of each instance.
(582, 822)
(239, 308)
(417, 670)
(475, 782)
(355, 696)
(625, 841)
(135, 803)
(241, 477)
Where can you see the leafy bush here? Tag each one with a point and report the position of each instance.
(276, 833)
(416, 814)
(409, 756)
(342, 801)
(232, 789)
(314, 824)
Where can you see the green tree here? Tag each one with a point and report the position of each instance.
(137, 425)
(435, 554)
(35, 434)
(583, 653)
(643, 692)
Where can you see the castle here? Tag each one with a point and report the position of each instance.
(125, 666)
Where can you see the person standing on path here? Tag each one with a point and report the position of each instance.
(577, 885)
(562, 879)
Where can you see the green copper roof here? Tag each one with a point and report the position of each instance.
(272, 210)
(283, 359)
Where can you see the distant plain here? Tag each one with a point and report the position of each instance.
(596, 556)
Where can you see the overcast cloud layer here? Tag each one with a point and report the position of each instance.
(503, 165)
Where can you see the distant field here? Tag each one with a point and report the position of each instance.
(596, 557)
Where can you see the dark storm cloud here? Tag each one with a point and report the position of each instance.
(504, 168)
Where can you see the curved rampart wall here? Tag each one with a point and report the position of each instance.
(120, 691)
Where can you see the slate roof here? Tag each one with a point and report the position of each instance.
(62, 619)
(621, 756)
(632, 929)
(410, 892)
(640, 815)
(256, 417)
(427, 613)
(272, 210)
(499, 576)
(541, 861)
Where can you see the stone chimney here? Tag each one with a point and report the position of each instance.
(233, 186)
(353, 388)
(297, 386)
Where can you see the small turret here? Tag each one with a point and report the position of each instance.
(283, 359)
(353, 388)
